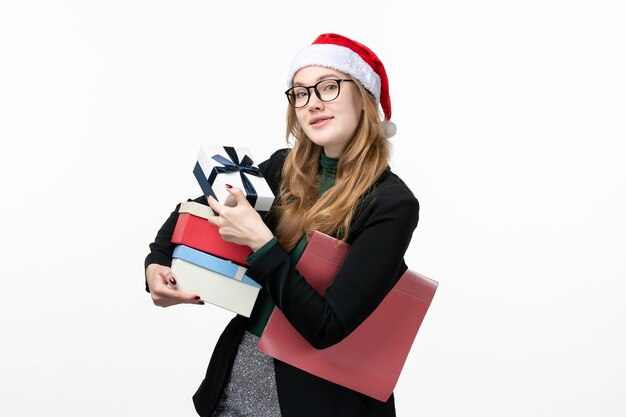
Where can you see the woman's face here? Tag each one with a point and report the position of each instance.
(330, 124)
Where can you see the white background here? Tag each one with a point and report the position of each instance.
(511, 134)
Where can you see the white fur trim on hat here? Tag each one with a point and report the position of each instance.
(338, 58)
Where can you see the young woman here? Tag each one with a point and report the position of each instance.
(334, 179)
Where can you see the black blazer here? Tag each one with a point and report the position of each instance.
(379, 235)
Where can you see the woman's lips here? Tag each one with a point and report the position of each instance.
(319, 122)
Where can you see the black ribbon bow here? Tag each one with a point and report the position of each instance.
(233, 165)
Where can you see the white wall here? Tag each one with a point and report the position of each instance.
(510, 132)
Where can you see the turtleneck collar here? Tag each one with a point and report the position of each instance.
(328, 165)
(328, 172)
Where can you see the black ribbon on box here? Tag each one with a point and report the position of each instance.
(233, 165)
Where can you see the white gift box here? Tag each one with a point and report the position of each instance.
(215, 280)
(221, 165)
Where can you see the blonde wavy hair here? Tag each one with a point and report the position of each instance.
(301, 209)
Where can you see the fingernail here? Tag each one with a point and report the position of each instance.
(172, 281)
(229, 186)
(201, 303)
(197, 297)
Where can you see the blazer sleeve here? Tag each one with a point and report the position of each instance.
(371, 268)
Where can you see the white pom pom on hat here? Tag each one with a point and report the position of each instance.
(353, 58)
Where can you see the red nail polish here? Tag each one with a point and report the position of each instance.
(201, 303)
(172, 281)
(197, 297)
(229, 186)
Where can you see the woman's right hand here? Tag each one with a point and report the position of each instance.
(158, 277)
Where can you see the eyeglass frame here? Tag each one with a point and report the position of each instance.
(317, 93)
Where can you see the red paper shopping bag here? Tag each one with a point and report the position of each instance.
(371, 358)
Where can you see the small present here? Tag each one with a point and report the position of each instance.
(192, 229)
(221, 165)
(197, 209)
(222, 266)
(216, 281)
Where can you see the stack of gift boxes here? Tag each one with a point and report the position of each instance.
(203, 262)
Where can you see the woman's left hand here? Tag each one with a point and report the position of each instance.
(241, 223)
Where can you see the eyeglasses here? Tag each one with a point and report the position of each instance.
(325, 90)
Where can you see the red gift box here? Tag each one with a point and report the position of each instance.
(198, 233)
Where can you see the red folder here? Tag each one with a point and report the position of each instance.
(198, 233)
(371, 358)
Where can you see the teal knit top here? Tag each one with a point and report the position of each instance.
(264, 306)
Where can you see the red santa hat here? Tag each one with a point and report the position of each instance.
(353, 58)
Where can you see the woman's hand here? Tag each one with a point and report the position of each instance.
(241, 223)
(158, 277)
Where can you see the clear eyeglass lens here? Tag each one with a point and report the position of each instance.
(328, 89)
(299, 96)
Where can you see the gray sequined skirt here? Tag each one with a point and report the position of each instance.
(251, 388)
